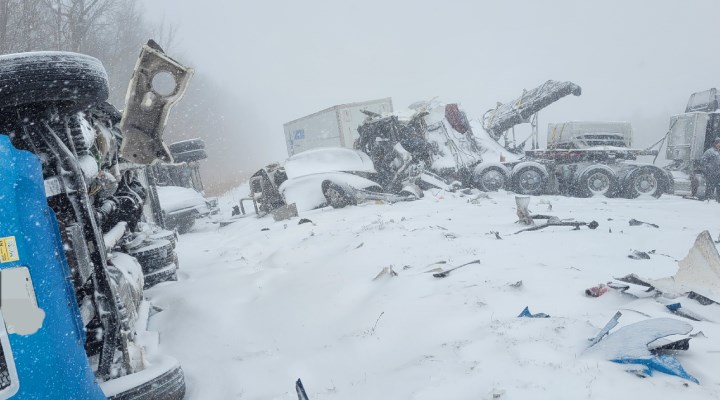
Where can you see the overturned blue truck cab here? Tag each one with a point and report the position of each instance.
(42, 357)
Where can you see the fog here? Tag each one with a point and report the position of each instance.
(636, 61)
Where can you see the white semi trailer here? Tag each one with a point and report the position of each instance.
(333, 127)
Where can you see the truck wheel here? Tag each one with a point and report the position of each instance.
(529, 180)
(186, 223)
(597, 181)
(169, 385)
(490, 179)
(643, 181)
(52, 77)
(338, 196)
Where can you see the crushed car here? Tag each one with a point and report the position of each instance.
(336, 177)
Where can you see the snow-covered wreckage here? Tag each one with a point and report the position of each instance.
(79, 247)
(332, 176)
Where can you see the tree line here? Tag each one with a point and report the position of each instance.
(110, 30)
(114, 31)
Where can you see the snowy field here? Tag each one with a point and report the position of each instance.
(261, 303)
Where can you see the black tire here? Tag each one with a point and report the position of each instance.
(75, 80)
(187, 145)
(189, 156)
(490, 179)
(337, 196)
(644, 181)
(529, 180)
(168, 386)
(597, 181)
(185, 225)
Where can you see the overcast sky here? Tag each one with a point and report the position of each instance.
(635, 60)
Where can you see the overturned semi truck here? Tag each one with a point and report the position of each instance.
(76, 248)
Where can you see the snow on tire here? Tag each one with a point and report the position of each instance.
(73, 79)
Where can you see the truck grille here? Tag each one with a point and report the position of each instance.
(4, 372)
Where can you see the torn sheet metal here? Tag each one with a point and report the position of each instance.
(699, 271)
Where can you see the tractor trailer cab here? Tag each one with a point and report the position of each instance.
(690, 134)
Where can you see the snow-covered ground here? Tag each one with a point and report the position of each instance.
(261, 303)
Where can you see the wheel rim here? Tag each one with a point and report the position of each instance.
(530, 180)
(492, 180)
(645, 184)
(333, 196)
(598, 183)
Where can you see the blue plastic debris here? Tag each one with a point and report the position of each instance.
(527, 314)
(663, 363)
(673, 307)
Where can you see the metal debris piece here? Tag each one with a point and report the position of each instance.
(639, 255)
(386, 272)
(522, 203)
(606, 329)
(527, 314)
(555, 221)
(300, 389)
(444, 274)
(634, 222)
(516, 285)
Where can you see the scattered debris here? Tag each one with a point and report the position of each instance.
(300, 389)
(406, 267)
(677, 309)
(555, 221)
(516, 285)
(546, 202)
(634, 222)
(496, 233)
(386, 272)
(701, 299)
(677, 345)
(522, 203)
(377, 321)
(527, 314)
(265, 229)
(480, 196)
(360, 245)
(444, 274)
(450, 236)
(438, 269)
(664, 363)
(285, 212)
(639, 255)
(305, 221)
(630, 345)
(597, 291)
(606, 329)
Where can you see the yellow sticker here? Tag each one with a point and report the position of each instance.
(8, 249)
